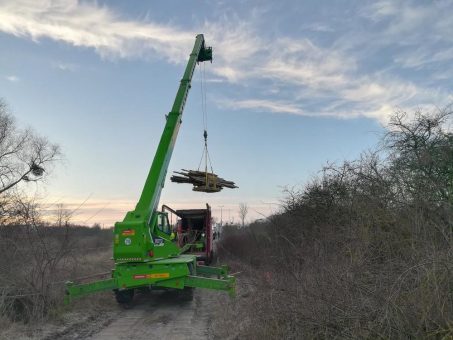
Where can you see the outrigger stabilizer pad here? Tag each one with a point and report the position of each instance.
(202, 181)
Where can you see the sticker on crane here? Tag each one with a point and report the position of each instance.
(128, 232)
(152, 276)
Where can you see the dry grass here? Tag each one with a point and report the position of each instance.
(340, 282)
(37, 260)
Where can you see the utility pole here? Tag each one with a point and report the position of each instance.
(221, 215)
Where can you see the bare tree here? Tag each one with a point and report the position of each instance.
(32, 253)
(62, 216)
(24, 155)
(243, 211)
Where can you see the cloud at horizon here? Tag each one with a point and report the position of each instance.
(108, 211)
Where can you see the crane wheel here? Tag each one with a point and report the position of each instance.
(210, 260)
(186, 294)
(125, 296)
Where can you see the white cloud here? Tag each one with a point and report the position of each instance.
(266, 105)
(304, 63)
(308, 72)
(12, 78)
(65, 66)
(374, 90)
(320, 27)
(236, 48)
(89, 25)
(423, 29)
(288, 75)
(380, 10)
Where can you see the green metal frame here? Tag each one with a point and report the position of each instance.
(144, 254)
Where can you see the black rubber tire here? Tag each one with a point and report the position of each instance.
(186, 294)
(124, 296)
(212, 258)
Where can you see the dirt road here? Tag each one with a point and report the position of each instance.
(154, 315)
(160, 315)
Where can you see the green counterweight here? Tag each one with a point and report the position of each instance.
(144, 253)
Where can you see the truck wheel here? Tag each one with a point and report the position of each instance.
(210, 259)
(186, 294)
(124, 296)
(213, 257)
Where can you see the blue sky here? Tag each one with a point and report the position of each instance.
(293, 84)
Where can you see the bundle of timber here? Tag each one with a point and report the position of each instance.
(202, 181)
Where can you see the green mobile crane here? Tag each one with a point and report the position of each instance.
(143, 251)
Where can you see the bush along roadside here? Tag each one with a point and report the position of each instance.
(362, 251)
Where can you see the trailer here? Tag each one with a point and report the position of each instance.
(194, 233)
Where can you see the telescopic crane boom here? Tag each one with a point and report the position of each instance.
(149, 198)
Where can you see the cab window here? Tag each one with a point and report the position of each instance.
(163, 225)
